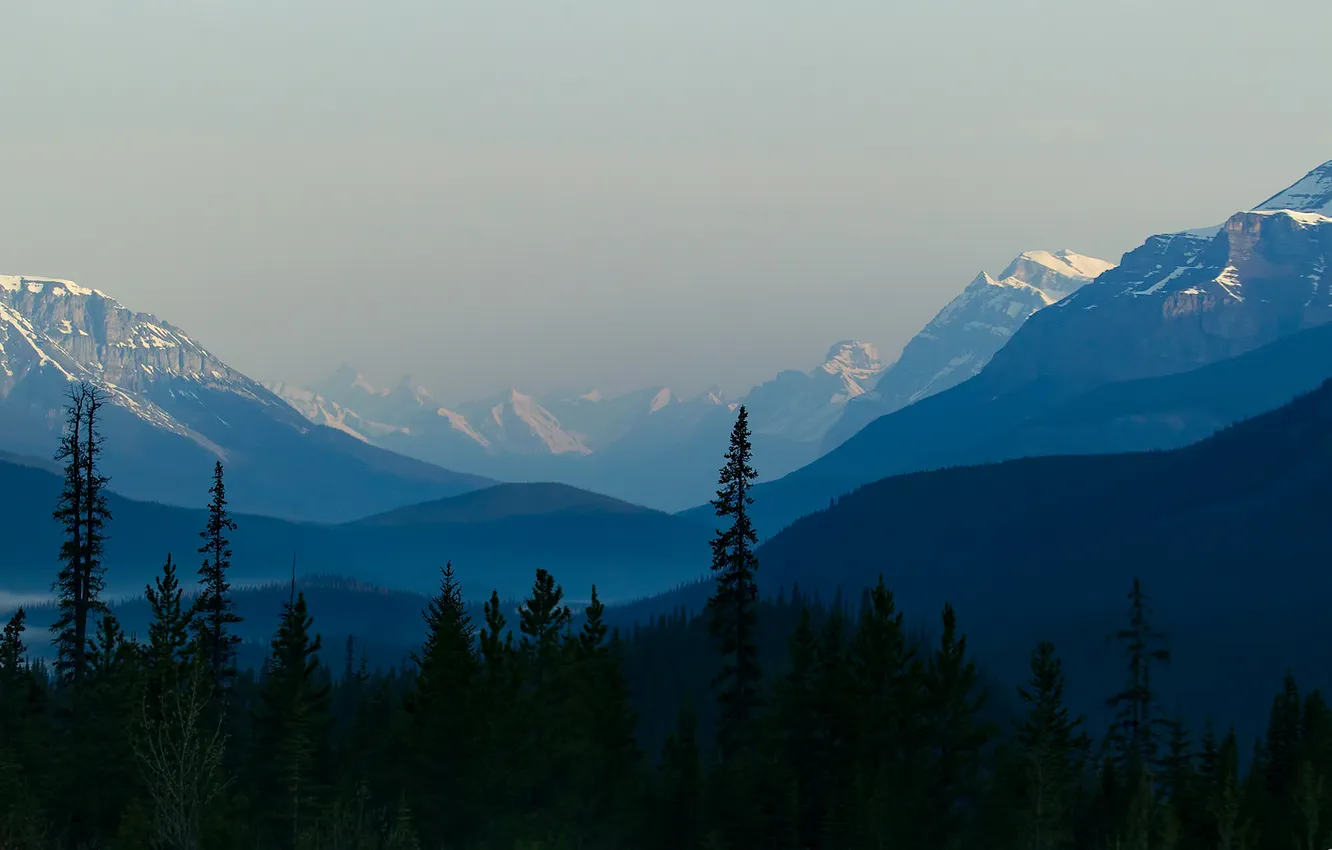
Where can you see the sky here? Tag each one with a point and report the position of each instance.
(617, 193)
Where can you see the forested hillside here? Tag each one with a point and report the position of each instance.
(793, 723)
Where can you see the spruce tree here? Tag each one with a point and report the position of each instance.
(444, 716)
(502, 750)
(886, 786)
(602, 753)
(1223, 799)
(732, 608)
(954, 735)
(1053, 751)
(13, 675)
(541, 620)
(82, 512)
(13, 651)
(291, 724)
(680, 787)
(168, 630)
(105, 651)
(215, 617)
(1134, 736)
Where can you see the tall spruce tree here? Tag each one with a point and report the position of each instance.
(954, 735)
(732, 608)
(1053, 753)
(502, 743)
(291, 725)
(601, 750)
(82, 512)
(215, 610)
(1134, 736)
(444, 717)
(801, 739)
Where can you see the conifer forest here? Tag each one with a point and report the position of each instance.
(807, 724)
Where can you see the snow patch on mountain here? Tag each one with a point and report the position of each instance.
(1068, 263)
(57, 328)
(1312, 193)
(545, 426)
(660, 400)
(459, 423)
(854, 364)
(965, 334)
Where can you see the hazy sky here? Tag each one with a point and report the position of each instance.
(614, 192)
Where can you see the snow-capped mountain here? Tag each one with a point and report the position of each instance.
(1311, 194)
(960, 340)
(408, 418)
(804, 405)
(1182, 300)
(1132, 360)
(52, 328)
(176, 408)
(650, 446)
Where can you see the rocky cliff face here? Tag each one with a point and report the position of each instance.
(56, 329)
(1181, 301)
(966, 333)
(175, 409)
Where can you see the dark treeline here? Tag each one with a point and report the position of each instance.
(788, 724)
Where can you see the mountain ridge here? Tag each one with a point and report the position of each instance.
(1178, 302)
(175, 409)
(966, 333)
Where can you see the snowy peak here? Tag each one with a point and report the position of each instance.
(851, 357)
(1310, 194)
(854, 364)
(963, 336)
(1064, 263)
(1055, 275)
(58, 329)
(1183, 300)
(541, 423)
(1033, 280)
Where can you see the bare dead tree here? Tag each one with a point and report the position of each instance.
(181, 762)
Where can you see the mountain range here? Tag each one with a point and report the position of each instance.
(175, 409)
(960, 340)
(1176, 304)
(655, 447)
(587, 438)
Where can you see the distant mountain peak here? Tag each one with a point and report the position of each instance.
(962, 337)
(348, 377)
(854, 364)
(1064, 262)
(78, 333)
(414, 388)
(1312, 193)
